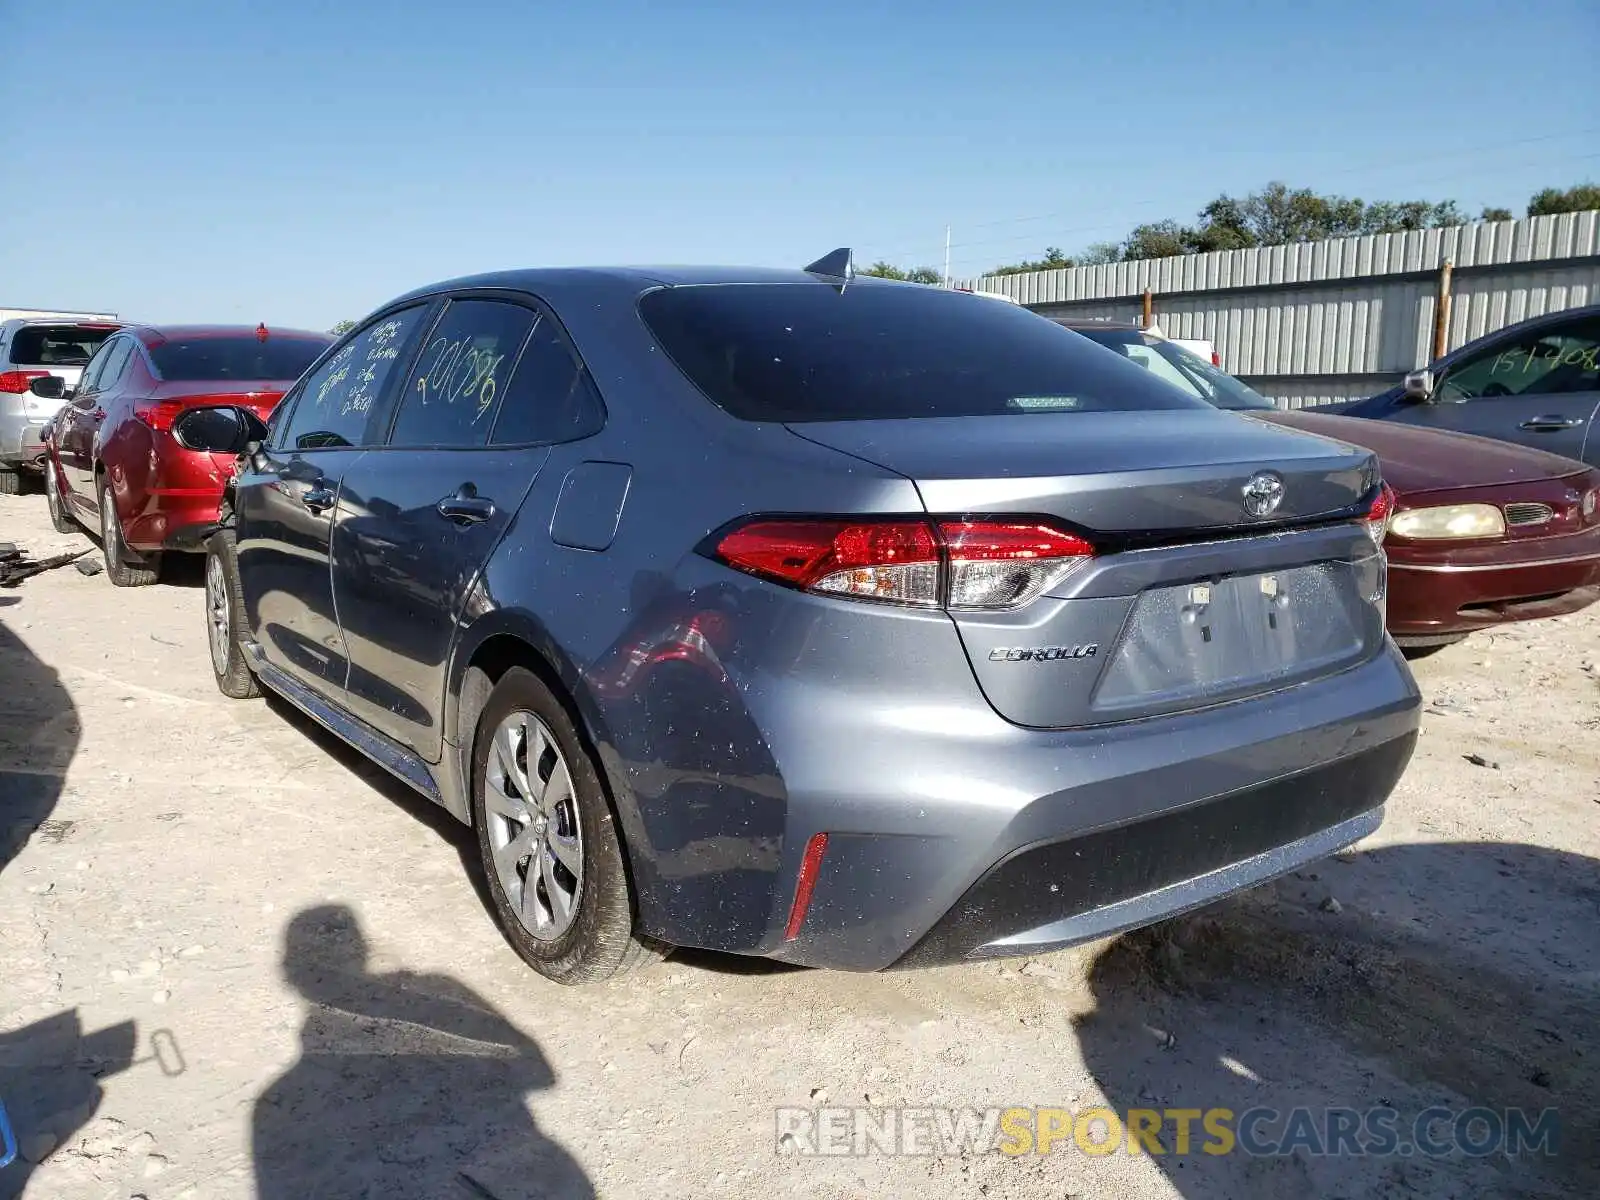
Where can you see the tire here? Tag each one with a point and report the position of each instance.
(10, 482)
(60, 519)
(225, 618)
(596, 941)
(123, 567)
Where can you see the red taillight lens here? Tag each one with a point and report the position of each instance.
(885, 560)
(1378, 515)
(158, 414)
(1216, 359)
(957, 564)
(18, 381)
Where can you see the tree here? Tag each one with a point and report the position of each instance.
(1556, 200)
(1496, 214)
(1053, 260)
(1100, 252)
(887, 270)
(342, 328)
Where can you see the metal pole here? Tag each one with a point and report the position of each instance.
(947, 256)
(1149, 306)
(1441, 312)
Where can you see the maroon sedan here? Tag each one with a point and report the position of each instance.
(114, 463)
(1484, 532)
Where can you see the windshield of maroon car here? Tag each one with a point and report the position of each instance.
(807, 352)
(1175, 365)
(57, 345)
(245, 357)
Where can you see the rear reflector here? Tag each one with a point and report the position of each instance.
(159, 414)
(17, 381)
(992, 564)
(810, 864)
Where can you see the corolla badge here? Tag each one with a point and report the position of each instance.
(1263, 493)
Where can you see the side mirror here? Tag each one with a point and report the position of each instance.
(222, 429)
(49, 387)
(1418, 386)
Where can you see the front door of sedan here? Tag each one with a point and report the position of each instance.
(287, 496)
(493, 387)
(1539, 387)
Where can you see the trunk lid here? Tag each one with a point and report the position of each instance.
(1192, 601)
(259, 396)
(1147, 474)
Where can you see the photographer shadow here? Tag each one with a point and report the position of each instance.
(407, 1085)
(1365, 982)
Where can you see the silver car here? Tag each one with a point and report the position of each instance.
(827, 619)
(31, 350)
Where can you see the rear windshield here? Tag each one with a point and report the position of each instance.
(1170, 362)
(56, 345)
(242, 357)
(805, 352)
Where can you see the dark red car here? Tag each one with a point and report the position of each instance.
(1484, 532)
(114, 462)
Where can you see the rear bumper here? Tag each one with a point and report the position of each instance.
(1061, 893)
(22, 439)
(1039, 840)
(174, 521)
(1479, 587)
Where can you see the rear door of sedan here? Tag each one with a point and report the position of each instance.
(1539, 386)
(495, 385)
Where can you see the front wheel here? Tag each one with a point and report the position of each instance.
(548, 839)
(123, 567)
(225, 618)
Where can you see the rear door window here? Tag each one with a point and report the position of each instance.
(808, 352)
(116, 361)
(551, 397)
(462, 374)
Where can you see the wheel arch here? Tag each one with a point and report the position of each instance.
(510, 638)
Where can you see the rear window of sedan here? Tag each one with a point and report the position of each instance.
(807, 352)
(245, 357)
(57, 345)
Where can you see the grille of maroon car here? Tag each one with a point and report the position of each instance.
(1528, 513)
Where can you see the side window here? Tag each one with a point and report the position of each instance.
(336, 402)
(551, 397)
(1546, 362)
(116, 364)
(461, 373)
(89, 380)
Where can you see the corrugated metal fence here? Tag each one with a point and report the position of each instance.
(1324, 321)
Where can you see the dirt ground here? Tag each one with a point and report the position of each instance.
(234, 957)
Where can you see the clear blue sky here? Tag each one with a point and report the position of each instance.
(302, 162)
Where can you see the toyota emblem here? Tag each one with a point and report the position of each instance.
(1263, 494)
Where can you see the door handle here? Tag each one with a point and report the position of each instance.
(466, 507)
(318, 499)
(1551, 424)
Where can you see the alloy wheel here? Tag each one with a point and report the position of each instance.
(534, 830)
(218, 615)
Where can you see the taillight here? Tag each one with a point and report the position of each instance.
(158, 414)
(1216, 359)
(989, 564)
(18, 381)
(1377, 520)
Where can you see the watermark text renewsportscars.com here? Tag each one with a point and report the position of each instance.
(1097, 1132)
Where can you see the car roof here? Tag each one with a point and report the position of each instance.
(154, 335)
(574, 281)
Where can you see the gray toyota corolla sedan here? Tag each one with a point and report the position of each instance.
(793, 614)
